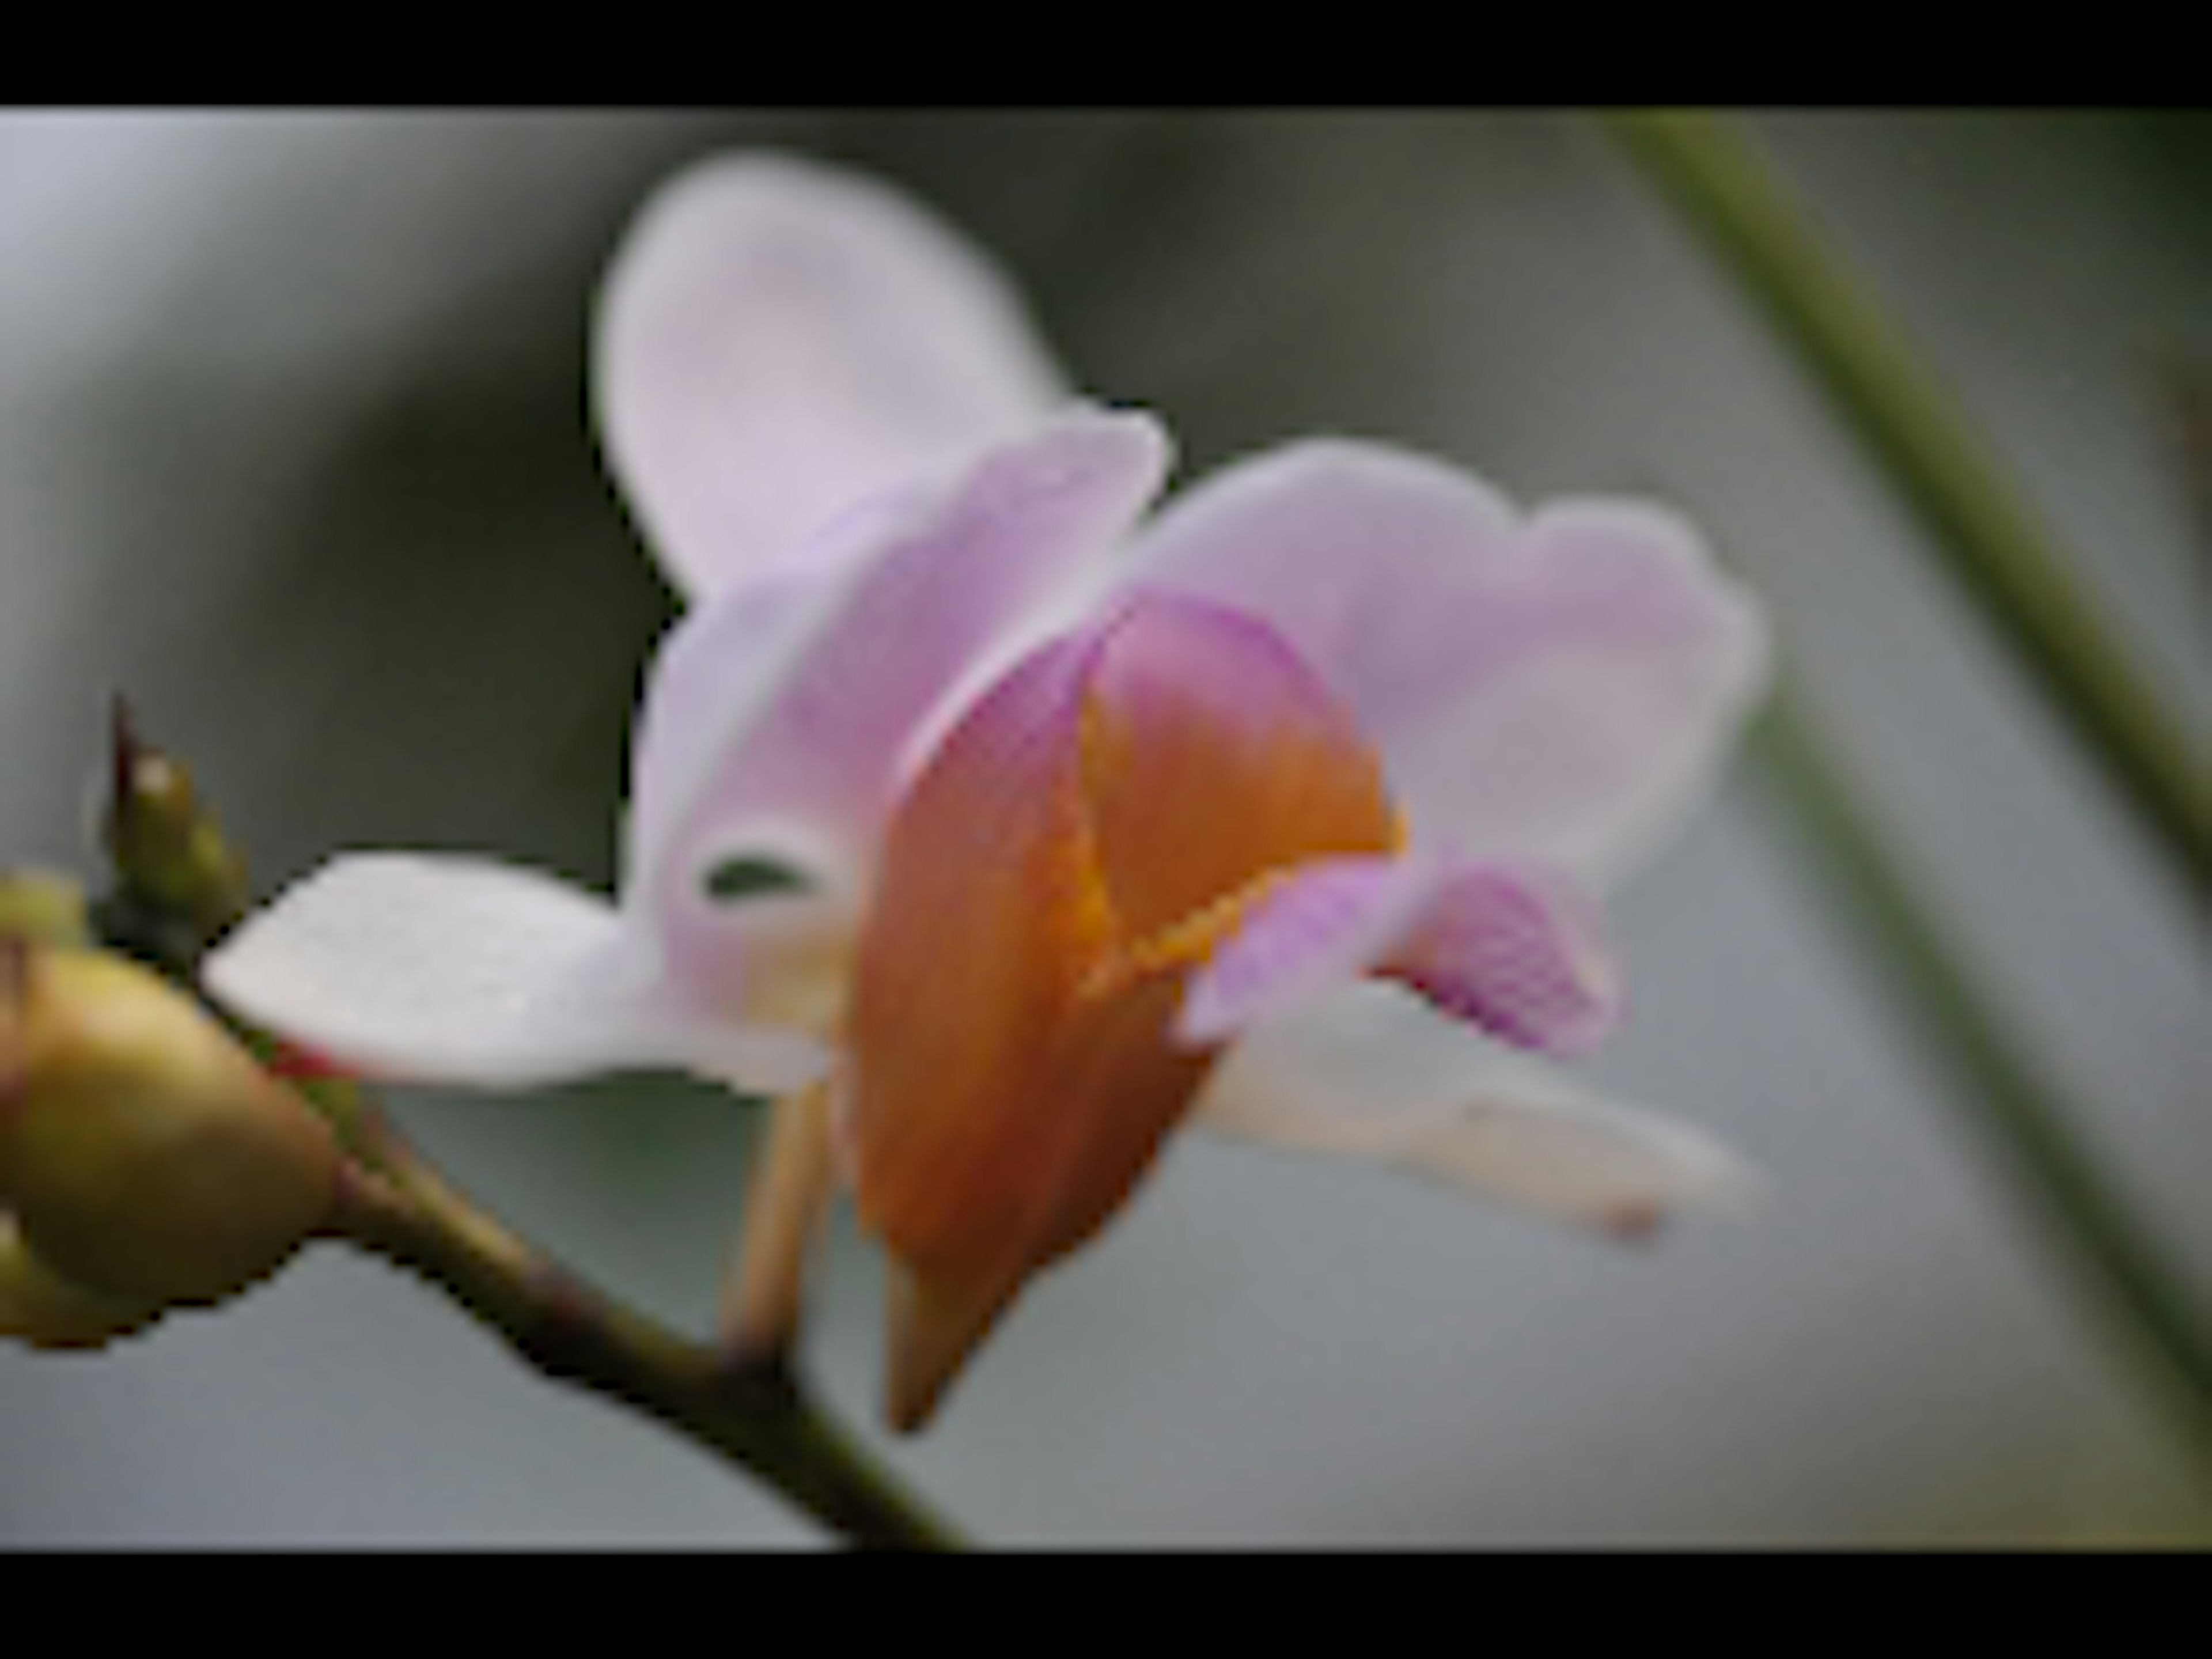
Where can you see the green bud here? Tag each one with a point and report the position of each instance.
(167, 845)
(143, 1152)
(38, 1306)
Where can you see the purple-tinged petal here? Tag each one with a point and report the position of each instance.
(930, 595)
(1317, 927)
(1372, 1071)
(1560, 687)
(462, 971)
(777, 338)
(1514, 950)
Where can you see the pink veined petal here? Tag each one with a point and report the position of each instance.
(463, 971)
(1372, 1071)
(1560, 686)
(935, 592)
(1326, 923)
(1511, 951)
(1514, 950)
(776, 338)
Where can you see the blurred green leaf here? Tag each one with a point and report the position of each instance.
(1977, 524)
(1992, 543)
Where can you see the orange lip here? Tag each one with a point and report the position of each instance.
(1076, 846)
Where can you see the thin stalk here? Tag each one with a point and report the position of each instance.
(1993, 545)
(756, 1415)
(2000, 1097)
(793, 1172)
(1984, 533)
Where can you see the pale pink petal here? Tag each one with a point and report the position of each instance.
(1365, 557)
(1372, 1072)
(777, 338)
(1513, 951)
(462, 971)
(1560, 686)
(720, 669)
(935, 592)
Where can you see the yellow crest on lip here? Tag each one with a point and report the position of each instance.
(1077, 842)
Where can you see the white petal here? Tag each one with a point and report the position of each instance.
(1560, 687)
(462, 971)
(1370, 1072)
(778, 338)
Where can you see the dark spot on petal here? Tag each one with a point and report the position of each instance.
(752, 877)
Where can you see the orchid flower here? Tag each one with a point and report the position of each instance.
(1034, 826)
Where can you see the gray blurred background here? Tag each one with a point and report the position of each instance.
(293, 447)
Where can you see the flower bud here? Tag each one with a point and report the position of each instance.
(40, 1307)
(167, 845)
(143, 1153)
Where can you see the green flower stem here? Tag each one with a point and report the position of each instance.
(2000, 1097)
(1985, 534)
(755, 1414)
